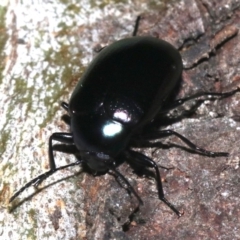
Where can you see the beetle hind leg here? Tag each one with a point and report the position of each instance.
(135, 30)
(208, 95)
(195, 148)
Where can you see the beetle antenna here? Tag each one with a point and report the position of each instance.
(37, 180)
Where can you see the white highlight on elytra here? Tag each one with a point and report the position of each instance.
(112, 129)
(123, 115)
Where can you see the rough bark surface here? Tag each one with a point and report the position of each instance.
(77, 205)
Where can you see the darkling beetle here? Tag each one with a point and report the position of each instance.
(119, 95)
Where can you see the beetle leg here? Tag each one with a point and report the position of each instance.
(147, 162)
(167, 133)
(61, 137)
(181, 101)
(136, 26)
(64, 105)
(66, 118)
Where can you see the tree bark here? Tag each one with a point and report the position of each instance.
(45, 48)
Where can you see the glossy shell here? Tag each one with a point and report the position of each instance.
(122, 89)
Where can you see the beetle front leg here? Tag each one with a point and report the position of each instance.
(61, 137)
(147, 162)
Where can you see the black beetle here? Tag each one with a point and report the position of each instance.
(118, 97)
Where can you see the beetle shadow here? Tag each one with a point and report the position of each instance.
(140, 171)
(163, 119)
